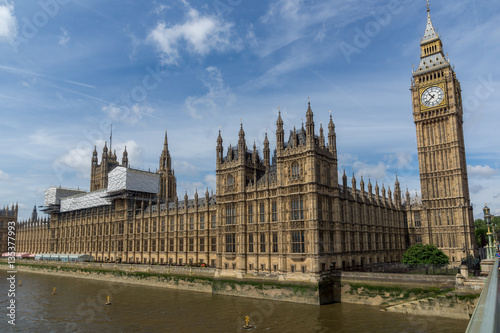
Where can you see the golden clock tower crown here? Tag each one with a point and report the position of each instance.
(446, 218)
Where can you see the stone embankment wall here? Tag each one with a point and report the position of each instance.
(396, 292)
(428, 295)
(400, 280)
(174, 277)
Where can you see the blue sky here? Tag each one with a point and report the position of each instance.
(68, 69)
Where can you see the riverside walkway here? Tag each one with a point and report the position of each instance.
(486, 316)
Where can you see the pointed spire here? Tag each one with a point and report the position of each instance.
(294, 139)
(309, 124)
(267, 152)
(309, 112)
(219, 138)
(254, 153)
(362, 185)
(219, 149)
(241, 134)
(321, 136)
(280, 134)
(111, 138)
(125, 157)
(241, 145)
(430, 33)
(279, 121)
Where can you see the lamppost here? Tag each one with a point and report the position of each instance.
(490, 247)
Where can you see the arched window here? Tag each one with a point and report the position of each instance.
(295, 170)
(230, 181)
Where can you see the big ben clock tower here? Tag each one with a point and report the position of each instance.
(446, 219)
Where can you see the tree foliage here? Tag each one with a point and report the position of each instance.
(481, 230)
(425, 255)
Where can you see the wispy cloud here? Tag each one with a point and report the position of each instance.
(8, 22)
(218, 95)
(199, 34)
(127, 114)
(21, 71)
(64, 37)
(4, 175)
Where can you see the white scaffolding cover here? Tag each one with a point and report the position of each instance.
(83, 201)
(54, 195)
(121, 178)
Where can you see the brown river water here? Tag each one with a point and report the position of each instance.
(78, 306)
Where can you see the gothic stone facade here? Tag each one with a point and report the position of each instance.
(6, 215)
(285, 215)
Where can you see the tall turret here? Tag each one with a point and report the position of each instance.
(219, 149)
(168, 183)
(309, 125)
(242, 147)
(267, 153)
(280, 133)
(332, 138)
(125, 158)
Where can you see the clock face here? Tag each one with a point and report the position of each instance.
(432, 96)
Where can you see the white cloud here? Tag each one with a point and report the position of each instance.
(43, 137)
(370, 170)
(4, 175)
(475, 188)
(8, 22)
(64, 38)
(286, 9)
(199, 34)
(159, 9)
(218, 94)
(134, 151)
(481, 171)
(211, 181)
(76, 160)
(321, 33)
(185, 168)
(130, 115)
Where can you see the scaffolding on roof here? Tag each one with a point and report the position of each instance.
(53, 195)
(86, 200)
(125, 179)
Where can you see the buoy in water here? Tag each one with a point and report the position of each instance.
(54, 291)
(247, 325)
(108, 302)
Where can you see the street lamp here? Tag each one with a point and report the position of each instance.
(490, 246)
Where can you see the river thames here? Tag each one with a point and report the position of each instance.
(78, 306)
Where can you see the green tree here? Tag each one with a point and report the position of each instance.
(425, 255)
(495, 221)
(480, 231)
